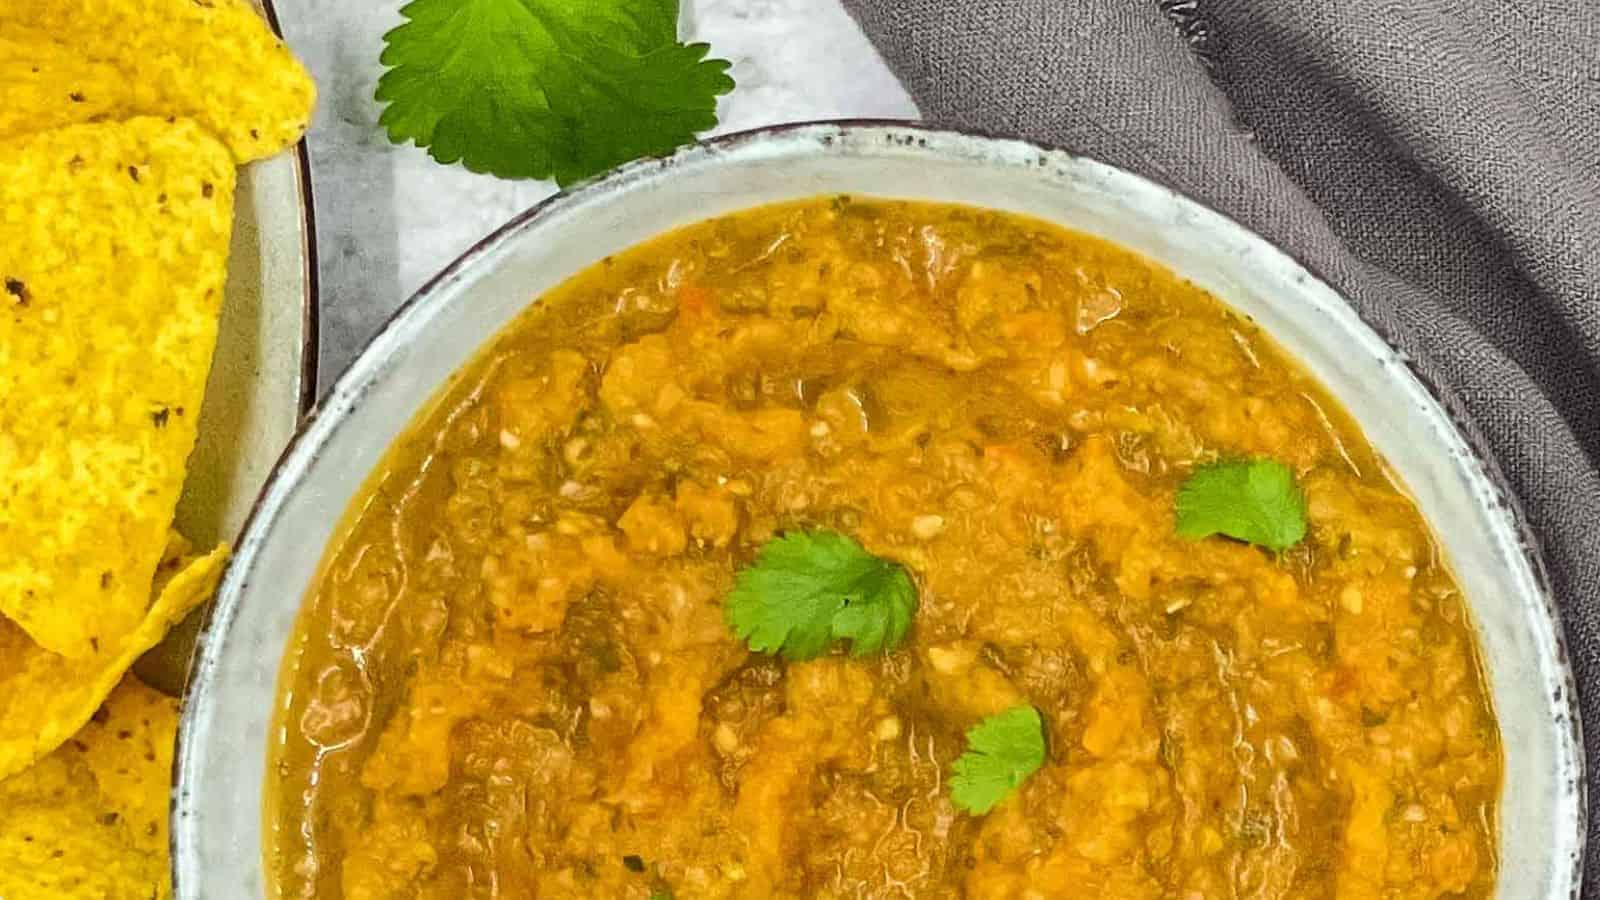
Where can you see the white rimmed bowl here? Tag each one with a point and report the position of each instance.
(226, 731)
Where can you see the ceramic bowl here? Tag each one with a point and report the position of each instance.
(226, 730)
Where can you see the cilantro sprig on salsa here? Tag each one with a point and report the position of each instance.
(1255, 501)
(1002, 751)
(809, 590)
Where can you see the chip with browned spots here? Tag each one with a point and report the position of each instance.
(113, 253)
(50, 85)
(90, 819)
(45, 697)
(215, 61)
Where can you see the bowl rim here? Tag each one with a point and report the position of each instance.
(347, 389)
(311, 284)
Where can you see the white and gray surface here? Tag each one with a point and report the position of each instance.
(389, 218)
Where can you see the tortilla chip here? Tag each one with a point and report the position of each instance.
(50, 86)
(90, 820)
(113, 253)
(45, 698)
(215, 61)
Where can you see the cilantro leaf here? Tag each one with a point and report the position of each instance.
(1255, 501)
(542, 88)
(1002, 751)
(808, 589)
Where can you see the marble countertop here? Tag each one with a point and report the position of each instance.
(389, 218)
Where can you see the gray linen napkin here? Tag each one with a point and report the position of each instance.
(1436, 161)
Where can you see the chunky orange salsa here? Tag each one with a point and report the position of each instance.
(517, 676)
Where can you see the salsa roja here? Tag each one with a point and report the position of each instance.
(516, 676)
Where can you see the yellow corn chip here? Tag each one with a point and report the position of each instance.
(212, 60)
(47, 85)
(90, 820)
(45, 698)
(113, 252)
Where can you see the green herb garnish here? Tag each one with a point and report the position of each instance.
(1255, 501)
(542, 88)
(1002, 751)
(808, 589)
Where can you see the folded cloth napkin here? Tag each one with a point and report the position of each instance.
(1436, 161)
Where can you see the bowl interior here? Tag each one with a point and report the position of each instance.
(224, 742)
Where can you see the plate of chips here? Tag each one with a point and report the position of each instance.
(157, 329)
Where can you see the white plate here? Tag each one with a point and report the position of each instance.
(263, 377)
